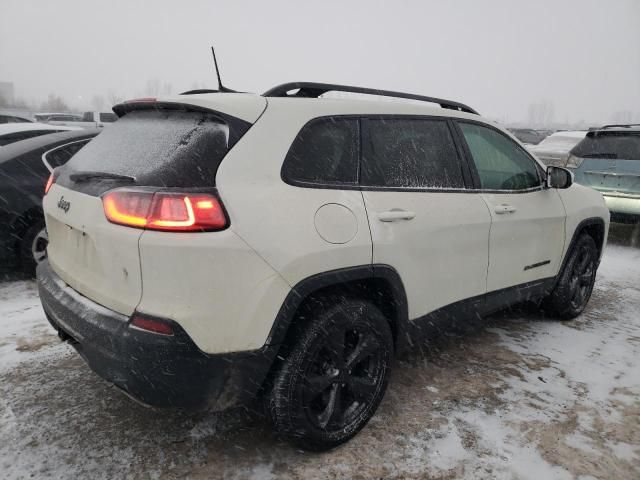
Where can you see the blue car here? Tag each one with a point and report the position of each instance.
(608, 159)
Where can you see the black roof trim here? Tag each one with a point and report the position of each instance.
(622, 125)
(314, 90)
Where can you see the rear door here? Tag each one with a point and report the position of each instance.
(527, 219)
(423, 220)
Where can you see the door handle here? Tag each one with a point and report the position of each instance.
(395, 215)
(504, 208)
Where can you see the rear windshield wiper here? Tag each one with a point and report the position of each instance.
(599, 155)
(86, 176)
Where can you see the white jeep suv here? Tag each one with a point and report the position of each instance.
(211, 248)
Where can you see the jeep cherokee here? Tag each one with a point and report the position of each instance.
(212, 248)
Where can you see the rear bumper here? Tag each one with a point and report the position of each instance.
(623, 207)
(159, 370)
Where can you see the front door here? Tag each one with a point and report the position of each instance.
(527, 219)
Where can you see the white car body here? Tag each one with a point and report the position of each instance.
(554, 150)
(229, 289)
(27, 130)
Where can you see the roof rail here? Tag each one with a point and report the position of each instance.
(314, 90)
(622, 125)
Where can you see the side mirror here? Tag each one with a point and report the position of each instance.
(559, 177)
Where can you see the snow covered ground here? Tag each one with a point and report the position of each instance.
(518, 396)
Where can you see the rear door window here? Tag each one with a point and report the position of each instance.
(622, 145)
(410, 153)
(500, 162)
(324, 152)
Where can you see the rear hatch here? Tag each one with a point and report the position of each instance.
(155, 147)
(609, 161)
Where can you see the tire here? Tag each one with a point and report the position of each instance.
(33, 247)
(333, 377)
(575, 285)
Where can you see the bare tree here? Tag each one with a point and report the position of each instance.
(622, 117)
(153, 87)
(55, 103)
(541, 113)
(22, 103)
(97, 102)
(113, 97)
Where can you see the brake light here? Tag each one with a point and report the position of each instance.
(151, 324)
(169, 211)
(47, 187)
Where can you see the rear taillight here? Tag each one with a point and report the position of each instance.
(169, 211)
(151, 324)
(47, 187)
(574, 162)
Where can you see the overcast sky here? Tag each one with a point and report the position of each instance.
(497, 56)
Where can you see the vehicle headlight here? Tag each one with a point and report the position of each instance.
(573, 161)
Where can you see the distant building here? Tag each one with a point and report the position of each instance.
(6, 93)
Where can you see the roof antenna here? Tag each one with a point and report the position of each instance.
(221, 88)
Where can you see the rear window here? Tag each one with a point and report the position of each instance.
(157, 148)
(623, 145)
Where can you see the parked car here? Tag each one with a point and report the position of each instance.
(23, 238)
(57, 117)
(528, 136)
(288, 245)
(608, 159)
(554, 150)
(4, 118)
(14, 132)
(87, 120)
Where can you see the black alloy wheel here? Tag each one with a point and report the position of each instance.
(582, 277)
(333, 379)
(575, 282)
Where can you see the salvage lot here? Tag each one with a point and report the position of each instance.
(518, 396)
